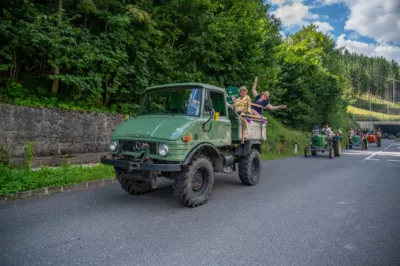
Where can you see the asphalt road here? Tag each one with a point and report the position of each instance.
(305, 211)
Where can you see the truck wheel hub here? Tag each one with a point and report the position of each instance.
(199, 180)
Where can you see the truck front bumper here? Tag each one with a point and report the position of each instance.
(139, 166)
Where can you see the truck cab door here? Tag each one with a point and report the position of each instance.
(219, 130)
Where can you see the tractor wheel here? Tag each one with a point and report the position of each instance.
(250, 168)
(306, 154)
(338, 148)
(193, 185)
(313, 153)
(137, 187)
(331, 152)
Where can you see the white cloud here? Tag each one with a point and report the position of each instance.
(379, 20)
(388, 51)
(294, 14)
(284, 2)
(324, 27)
(332, 2)
(376, 19)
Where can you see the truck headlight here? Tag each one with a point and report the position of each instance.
(113, 145)
(163, 150)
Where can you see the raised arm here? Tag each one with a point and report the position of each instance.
(272, 108)
(254, 89)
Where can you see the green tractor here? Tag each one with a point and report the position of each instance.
(186, 132)
(357, 140)
(322, 144)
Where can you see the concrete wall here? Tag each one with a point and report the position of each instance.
(55, 132)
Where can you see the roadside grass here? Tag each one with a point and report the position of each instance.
(363, 114)
(376, 103)
(13, 180)
(281, 141)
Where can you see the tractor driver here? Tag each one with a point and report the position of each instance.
(314, 133)
(327, 131)
(365, 132)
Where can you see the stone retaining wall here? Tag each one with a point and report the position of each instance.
(55, 132)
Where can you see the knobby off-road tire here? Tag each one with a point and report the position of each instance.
(137, 187)
(250, 168)
(193, 185)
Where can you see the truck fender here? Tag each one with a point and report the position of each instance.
(245, 148)
(210, 151)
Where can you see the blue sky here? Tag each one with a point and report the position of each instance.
(369, 27)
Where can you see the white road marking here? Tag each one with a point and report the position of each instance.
(372, 155)
(348, 153)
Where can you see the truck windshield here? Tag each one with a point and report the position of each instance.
(174, 100)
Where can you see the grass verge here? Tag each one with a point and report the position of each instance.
(18, 180)
(281, 140)
(362, 114)
(377, 103)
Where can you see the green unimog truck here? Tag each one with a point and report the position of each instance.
(185, 132)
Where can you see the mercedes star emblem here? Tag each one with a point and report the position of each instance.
(136, 146)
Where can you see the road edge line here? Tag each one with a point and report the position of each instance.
(54, 190)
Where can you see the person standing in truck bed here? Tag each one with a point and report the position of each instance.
(262, 100)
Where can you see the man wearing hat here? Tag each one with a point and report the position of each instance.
(314, 133)
(262, 100)
(241, 106)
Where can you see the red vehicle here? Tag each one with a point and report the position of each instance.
(373, 137)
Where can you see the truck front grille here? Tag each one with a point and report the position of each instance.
(135, 146)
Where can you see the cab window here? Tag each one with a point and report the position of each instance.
(219, 102)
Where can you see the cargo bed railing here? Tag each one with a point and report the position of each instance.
(247, 106)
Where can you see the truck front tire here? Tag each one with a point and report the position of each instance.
(193, 185)
(250, 168)
(137, 187)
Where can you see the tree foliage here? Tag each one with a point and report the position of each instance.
(104, 53)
